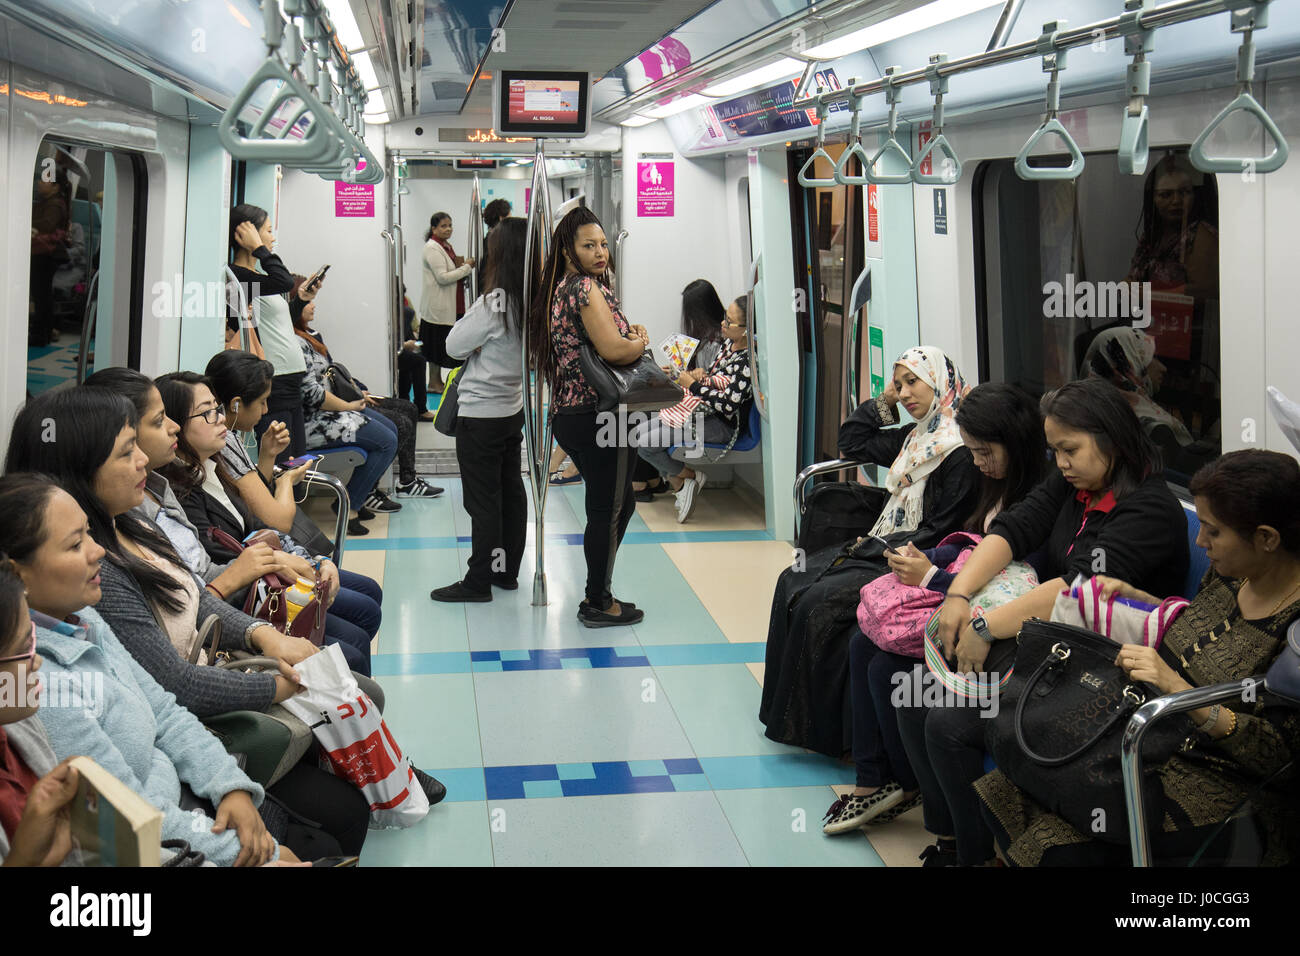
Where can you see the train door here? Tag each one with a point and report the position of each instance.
(85, 291)
(829, 252)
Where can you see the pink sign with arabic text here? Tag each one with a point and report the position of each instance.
(654, 189)
(353, 200)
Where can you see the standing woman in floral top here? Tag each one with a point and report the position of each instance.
(576, 306)
(708, 412)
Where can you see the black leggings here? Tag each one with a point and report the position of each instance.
(434, 338)
(606, 470)
(410, 378)
(404, 416)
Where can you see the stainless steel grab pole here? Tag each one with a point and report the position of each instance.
(474, 244)
(394, 307)
(618, 260)
(537, 421)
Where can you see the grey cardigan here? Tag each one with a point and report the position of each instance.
(30, 742)
(204, 691)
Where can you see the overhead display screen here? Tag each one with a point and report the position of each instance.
(541, 103)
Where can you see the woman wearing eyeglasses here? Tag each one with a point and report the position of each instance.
(1178, 245)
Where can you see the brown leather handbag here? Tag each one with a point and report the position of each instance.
(266, 598)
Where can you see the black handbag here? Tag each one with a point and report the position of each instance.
(836, 512)
(342, 384)
(1058, 730)
(448, 413)
(641, 386)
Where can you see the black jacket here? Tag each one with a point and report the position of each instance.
(1142, 540)
(951, 491)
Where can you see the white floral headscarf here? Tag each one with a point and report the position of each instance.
(934, 436)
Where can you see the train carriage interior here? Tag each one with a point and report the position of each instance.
(814, 221)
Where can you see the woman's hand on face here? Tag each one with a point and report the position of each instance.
(910, 564)
(44, 834)
(1145, 664)
(248, 237)
(274, 440)
(256, 846)
(890, 394)
(972, 651)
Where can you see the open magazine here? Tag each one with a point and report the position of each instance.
(677, 349)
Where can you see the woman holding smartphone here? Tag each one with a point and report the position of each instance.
(266, 284)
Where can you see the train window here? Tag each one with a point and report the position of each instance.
(79, 196)
(1107, 275)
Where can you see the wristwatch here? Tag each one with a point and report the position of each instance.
(982, 629)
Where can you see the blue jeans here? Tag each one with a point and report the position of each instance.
(353, 620)
(378, 438)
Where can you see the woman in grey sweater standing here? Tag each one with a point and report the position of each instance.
(490, 418)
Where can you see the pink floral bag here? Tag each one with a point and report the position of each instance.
(893, 614)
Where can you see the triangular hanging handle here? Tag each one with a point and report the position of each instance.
(951, 163)
(1133, 151)
(1236, 164)
(807, 183)
(889, 179)
(1033, 173)
(312, 148)
(854, 149)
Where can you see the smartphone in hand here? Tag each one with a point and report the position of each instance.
(292, 463)
(889, 549)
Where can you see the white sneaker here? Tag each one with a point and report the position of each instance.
(686, 497)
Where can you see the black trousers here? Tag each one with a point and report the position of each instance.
(434, 338)
(488, 450)
(328, 815)
(606, 470)
(285, 405)
(404, 415)
(410, 378)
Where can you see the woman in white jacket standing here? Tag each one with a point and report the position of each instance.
(490, 418)
(442, 300)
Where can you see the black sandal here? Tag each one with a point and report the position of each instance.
(590, 617)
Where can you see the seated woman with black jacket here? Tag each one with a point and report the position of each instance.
(1108, 511)
(211, 500)
(933, 485)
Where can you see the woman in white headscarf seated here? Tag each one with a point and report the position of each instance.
(933, 485)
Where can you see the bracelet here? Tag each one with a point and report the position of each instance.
(215, 590)
(1233, 729)
(964, 597)
(1210, 721)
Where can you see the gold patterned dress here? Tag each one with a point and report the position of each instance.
(1210, 643)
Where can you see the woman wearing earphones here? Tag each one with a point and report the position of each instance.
(708, 412)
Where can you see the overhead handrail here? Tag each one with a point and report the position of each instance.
(951, 164)
(892, 144)
(804, 180)
(537, 417)
(1054, 63)
(1133, 138)
(1245, 21)
(854, 148)
(333, 145)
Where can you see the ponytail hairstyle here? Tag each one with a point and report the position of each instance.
(185, 472)
(85, 422)
(234, 374)
(434, 220)
(564, 249)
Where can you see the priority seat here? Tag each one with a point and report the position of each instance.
(748, 448)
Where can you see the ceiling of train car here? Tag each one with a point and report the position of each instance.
(594, 35)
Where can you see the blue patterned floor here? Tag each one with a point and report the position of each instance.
(561, 745)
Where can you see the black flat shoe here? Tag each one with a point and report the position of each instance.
(433, 789)
(505, 582)
(363, 513)
(590, 617)
(457, 592)
(356, 529)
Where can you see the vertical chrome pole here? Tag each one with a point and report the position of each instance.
(474, 244)
(618, 261)
(537, 421)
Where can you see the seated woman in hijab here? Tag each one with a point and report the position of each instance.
(1126, 357)
(933, 486)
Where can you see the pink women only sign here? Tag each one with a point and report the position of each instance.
(353, 200)
(654, 189)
